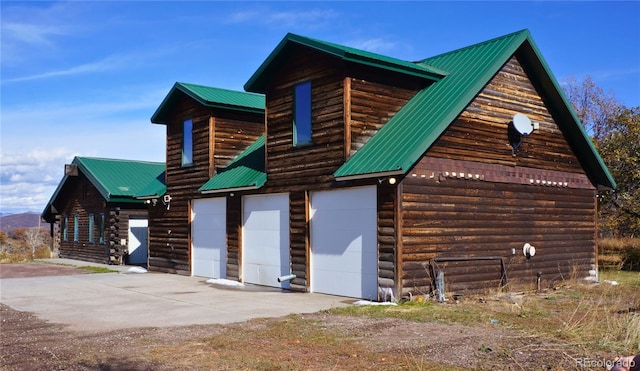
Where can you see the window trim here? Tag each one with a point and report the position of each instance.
(187, 146)
(302, 118)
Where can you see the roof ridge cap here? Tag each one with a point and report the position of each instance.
(524, 31)
(117, 159)
(186, 84)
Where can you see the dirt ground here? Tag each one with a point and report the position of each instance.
(37, 270)
(318, 341)
(31, 344)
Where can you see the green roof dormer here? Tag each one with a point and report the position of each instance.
(209, 97)
(257, 83)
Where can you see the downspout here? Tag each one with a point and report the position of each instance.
(287, 277)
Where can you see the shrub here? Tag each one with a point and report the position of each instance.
(624, 250)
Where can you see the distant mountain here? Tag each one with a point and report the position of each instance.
(25, 220)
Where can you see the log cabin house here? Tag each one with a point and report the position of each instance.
(374, 172)
(96, 207)
(351, 173)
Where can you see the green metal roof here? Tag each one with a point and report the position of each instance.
(154, 189)
(116, 180)
(245, 172)
(209, 97)
(120, 178)
(259, 80)
(406, 137)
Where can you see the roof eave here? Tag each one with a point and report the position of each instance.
(256, 82)
(159, 116)
(231, 189)
(381, 174)
(416, 72)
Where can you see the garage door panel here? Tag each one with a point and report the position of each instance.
(266, 239)
(344, 242)
(209, 238)
(265, 220)
(341, 219)
(349, 260)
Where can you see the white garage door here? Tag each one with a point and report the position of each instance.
(209, 237)
(138, 249)
(344, 242)
(265, 239)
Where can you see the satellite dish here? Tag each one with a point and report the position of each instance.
(522, 124)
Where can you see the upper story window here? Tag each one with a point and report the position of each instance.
(187, 143)
(302, 113)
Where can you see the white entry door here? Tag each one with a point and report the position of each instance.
(209, 237)
(344, 242)
(265, 239)
(138, 249)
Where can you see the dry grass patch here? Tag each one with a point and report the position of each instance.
(596, 319)
(292, 343)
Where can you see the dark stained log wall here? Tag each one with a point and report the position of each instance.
(82, 198)
(299, 239)
(480, 132)
(234, 236)
(451, 217)
(372, 105)
(292, 168)
(387, 235)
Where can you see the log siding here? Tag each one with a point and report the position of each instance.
(480, 133)
(451, 217)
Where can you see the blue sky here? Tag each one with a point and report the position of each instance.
(83, 78)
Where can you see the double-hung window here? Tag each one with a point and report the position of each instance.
(302, 113)
(187, 142)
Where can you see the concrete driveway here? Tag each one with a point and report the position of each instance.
(109, 301)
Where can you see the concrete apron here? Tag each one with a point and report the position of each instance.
(110, 301)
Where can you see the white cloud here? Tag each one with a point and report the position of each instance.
(375, 45)
(126, 102)
(110, 63)
(27, 180)
(28, 177)
(27, 28)
(24, 33)
(284, 19)
(106, 64)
